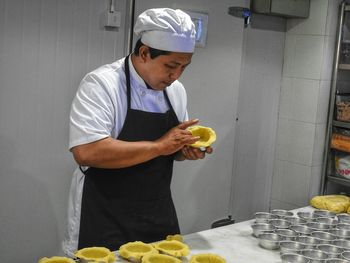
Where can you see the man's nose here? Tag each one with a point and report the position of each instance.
(176, 74)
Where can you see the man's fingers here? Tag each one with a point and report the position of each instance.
(191, 139)
(187, 124)
(209, 150)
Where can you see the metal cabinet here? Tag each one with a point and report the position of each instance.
(336, 171)
(285, 8)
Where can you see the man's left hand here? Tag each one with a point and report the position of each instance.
(191, 153)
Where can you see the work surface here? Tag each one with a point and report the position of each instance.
(234, 242)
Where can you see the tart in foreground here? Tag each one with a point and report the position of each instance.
(134, 251)
(56, 260)
(159, 258)
(96, 254)
(207, 258)
(172, 248)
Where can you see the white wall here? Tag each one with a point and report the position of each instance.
(46, 47)
(258, 103)
(308, 61)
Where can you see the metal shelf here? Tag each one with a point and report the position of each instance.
(341, 124)
(338, 180)
(328, 177)
(344, 66)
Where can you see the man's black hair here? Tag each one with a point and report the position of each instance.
(153, 52)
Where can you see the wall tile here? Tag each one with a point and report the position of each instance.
(276, 204)
(292, 183)
(295, 141)
(323, 102)
(315, 24)
(285, 98)
(277, 180)
(315, 181)
(319, 143)
(289, 55)
(304, 100)
(308, 57)
(299, 98)
(283, 131)
(303, 56)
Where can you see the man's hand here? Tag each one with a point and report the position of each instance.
(191, 153)
(176, 138)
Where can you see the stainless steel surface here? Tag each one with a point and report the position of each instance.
(301, 229)
(315, 226)
(269, 240)
(344, 218)
(260, 228)
(294, 258)
(336, 260)
(295, 220)
(314, 255)
(280, 223)
(291, 247)
(310, 242)
(281, 212)
(332, 251)
(344, 244)
(285, 8)
(306, 215)
(341, 233)
(345, 226)
(264, 217)
(324, 237)
(324, 213)
(331, 222)
(286, 234)
(346, 255)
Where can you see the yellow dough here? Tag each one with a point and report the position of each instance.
(207, 258)
(134, 251)
(159, 258)
(100, 254)
(207, 135)
(172, 248)
(176, 237)
(56, 260)
(333, 203)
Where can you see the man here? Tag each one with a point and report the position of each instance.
(127, 125)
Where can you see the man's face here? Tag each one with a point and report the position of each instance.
(165, 69)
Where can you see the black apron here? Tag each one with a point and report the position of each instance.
(133, 203)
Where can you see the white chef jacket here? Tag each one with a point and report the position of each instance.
(98, 111)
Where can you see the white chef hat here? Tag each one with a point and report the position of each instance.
(166, 29)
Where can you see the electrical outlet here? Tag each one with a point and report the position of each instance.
(112, 19)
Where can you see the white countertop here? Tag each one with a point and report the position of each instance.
(234, 242)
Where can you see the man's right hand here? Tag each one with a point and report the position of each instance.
(176, 138)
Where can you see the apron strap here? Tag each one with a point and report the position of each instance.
(128, 86)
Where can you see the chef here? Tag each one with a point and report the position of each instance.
(127, 125)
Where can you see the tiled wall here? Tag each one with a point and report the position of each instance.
(305, 86)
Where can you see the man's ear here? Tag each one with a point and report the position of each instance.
(144, 53)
